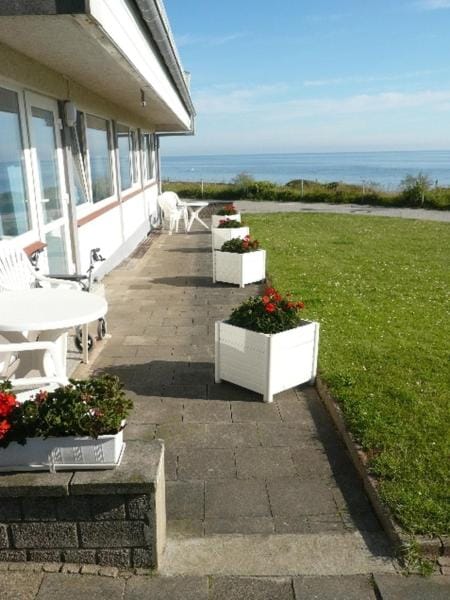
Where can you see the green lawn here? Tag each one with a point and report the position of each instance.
(379, 288)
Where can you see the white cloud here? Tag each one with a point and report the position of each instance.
(433, 4)
(370, 79)
(207, 40)
(271, 103)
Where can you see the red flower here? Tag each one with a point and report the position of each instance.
(7, 404)
(270, 308)
(5, 426)
(300, 305)
(270, 291)
(41, 396)
(265, 299)
(277, 297)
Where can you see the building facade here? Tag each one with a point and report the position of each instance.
(86, 86)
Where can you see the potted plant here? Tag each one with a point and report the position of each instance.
(239, 261)
(227, 229)
(266, 346)
(229, 211)
(76, 426)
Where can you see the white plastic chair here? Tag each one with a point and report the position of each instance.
(17, 273)
(173, 210)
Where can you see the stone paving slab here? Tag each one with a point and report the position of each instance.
(58, 586)
(251, 588)
(167, 588)
(414, 587)
(19, 585)
(357, 587)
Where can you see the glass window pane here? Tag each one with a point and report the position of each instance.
(56, 251)
(79, 163)
(134, 167)
(124, 146)
(45, 144)
(99, 157)
(14, 207)
(150, 171)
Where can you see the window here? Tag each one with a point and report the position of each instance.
(126, 143)
(14, 204)
(98, 146)
(147, 155)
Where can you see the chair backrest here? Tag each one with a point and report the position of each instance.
(168, 201)
(16, 271)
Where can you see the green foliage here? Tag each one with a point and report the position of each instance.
(270, 313)
(415, 187)
(378, 286)
(227, 210)
(413, 560)
(229, 224)
(337, 192)
(243, 180)
(91, 407)
(240, 246)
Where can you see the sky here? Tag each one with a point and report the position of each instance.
(314, 75)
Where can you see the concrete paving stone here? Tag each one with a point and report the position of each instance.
(185, 499)
(234, 393)
(135, 431)
(254, 412)
(354, 587)
(206, 412)
(241, 525)
(251, 588)
(185, 528)
(311, 463)
(286, 434)
(414, 587)
(291, 497)
(350, 496)
(14, 485)
(236, 498)
(162, 411)
(170, 465)
(294, 410)
(59, 586)
(202, 463)
(140, 340)
(363, 521)
(192, 391)
(167, 588)
(264, 463)
(182, 435)
(19, 585)
(234, 435)
(327, 523)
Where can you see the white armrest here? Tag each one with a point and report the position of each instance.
(63, 283)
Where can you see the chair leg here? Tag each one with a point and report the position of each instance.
(85, 338)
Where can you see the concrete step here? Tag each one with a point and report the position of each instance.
(277, 555)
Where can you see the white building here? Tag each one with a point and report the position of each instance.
(85, 88)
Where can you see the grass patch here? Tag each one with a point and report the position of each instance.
(379, 288)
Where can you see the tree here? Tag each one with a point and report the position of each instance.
(415, 187)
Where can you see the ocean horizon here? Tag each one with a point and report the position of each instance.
(386, 169)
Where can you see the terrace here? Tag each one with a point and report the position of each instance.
(245, 481)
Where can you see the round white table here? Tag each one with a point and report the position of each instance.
(194, 209)
(45, 314)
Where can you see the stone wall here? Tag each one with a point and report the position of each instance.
(112, 518)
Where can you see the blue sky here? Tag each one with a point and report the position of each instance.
(314, 75)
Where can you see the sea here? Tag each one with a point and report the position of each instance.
(385, 169)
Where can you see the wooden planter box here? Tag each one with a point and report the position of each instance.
(69, 453)
(215, 219)
(220, 236)
(232, 267)
(266, 363)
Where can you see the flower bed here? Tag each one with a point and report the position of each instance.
(229, 211)
(226, 231)
(239, 261)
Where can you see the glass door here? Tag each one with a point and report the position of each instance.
(49, 181)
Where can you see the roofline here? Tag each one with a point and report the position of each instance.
(155, 18)
(153, 15)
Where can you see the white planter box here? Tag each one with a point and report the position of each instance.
(69, 453)
(215, 219)
(266, 363)
(231, 267)
(220, 236)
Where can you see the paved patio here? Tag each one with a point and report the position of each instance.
(234, 465)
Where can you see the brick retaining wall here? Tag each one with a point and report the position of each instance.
(111, 518)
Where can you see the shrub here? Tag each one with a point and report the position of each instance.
(91, 407)
(240, 246)
(269, 313)
(227, 210)
(229, 224)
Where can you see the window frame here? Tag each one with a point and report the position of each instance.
(133, 158)
(33, 234)
(150, 154)
(86, 208)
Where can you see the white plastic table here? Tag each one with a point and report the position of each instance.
(47, 314)
(194, 209)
